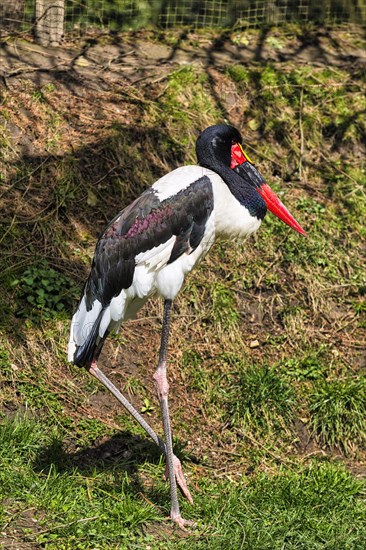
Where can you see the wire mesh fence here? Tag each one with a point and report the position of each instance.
(117, 15)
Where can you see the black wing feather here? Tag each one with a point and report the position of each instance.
(143, 225)
(196, 235)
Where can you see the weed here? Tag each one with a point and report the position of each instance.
(360, 306)
(238, 73)
(311, 366)
(261, 401)
(337, 410)
(44, 291)
(147, 407)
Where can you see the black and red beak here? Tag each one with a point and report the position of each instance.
(241, 163)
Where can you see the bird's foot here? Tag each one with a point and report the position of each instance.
(182, 523)
(181, 480)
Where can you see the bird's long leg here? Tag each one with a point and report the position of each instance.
(98, 374)
(162, 390)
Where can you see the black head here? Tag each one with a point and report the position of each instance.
(219, 149)
(214, 145)
(215, 148)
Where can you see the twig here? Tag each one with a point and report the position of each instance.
(314, 453)
(9, 228)
(107, 65)
(147, 500)
(17, 72)
(301, 133)
(346, 324)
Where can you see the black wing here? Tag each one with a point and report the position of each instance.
(145, 224)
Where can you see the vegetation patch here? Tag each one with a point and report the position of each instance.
(337, 409)
(71, 504)
(262, 403)
(43, 290)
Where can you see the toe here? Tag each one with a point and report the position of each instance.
(183, 523)
(181, 480)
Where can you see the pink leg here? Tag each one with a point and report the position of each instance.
(162, 390)
(98, 374)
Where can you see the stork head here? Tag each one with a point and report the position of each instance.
(221, 145)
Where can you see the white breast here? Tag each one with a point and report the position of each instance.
(232, 219)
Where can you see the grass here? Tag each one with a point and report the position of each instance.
(261, 401)
(266, 355)
(337, 409)
(80, 506)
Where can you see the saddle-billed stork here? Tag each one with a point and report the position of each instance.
(149, 248)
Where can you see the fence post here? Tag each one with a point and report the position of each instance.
(49, 26)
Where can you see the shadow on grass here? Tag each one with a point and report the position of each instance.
(53, 201)
(123, 451)
(121, 454)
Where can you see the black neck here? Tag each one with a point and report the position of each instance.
(240, 188)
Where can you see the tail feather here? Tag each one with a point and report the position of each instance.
(87, 352)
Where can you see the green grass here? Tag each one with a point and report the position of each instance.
(337, 409)
(68, 503)
(261, 401)
(315, 506)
